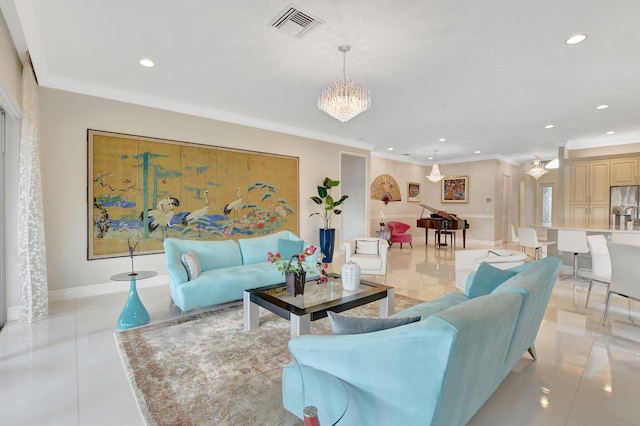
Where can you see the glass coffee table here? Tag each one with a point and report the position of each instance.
(314, 304)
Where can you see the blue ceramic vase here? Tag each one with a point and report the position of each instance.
(327, 241)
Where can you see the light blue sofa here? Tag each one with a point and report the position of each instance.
(228, 268)
(437, 371)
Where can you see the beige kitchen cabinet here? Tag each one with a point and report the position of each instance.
(589, 194)
(579, 216)
(624, 171)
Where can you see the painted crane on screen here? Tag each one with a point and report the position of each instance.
(195, 215)
(234, 205)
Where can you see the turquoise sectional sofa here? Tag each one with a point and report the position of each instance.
(228, 268)
(437, 371)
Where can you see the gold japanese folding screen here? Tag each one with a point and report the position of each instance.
(145, 189)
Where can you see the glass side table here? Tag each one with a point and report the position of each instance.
(134, 313)
(386, 235)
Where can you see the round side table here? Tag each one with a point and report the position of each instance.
(134, 313)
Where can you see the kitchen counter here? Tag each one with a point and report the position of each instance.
(596, 230)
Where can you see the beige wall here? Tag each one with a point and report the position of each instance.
(506, 200)
(480, 211)
(10, 68)
(401, 211)
(65, 120)
(485, 195)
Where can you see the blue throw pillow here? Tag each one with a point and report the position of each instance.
(487, 278)
(356, 325)
(288, 248)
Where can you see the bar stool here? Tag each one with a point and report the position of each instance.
(600, 262)
(625, 270)
(529, 238)
(514, 237)
(574, 241)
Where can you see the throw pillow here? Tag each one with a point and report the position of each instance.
(367, 247)
(355, 325)
(191, 264)
(487, 278)
(288, 248)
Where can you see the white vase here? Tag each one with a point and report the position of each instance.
(350, 276)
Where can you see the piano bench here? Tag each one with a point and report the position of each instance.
(452, 234)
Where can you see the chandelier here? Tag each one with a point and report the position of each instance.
(345, 98)
(537, 170)
(435, 175)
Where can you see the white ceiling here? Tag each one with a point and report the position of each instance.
(485, 75)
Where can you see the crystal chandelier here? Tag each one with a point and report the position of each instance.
(435, 175)
(537, 170)
(345, 98)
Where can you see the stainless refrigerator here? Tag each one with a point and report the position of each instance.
(624, 206)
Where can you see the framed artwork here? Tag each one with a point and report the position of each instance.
(413, 192)
(386, 189)
(455, 189)
(144, 190)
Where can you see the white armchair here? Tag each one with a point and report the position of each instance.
(369, 253)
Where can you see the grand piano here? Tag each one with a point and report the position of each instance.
(442, 221)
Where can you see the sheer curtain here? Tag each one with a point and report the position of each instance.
(34, 298)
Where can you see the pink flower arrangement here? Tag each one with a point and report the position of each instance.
(296, 264)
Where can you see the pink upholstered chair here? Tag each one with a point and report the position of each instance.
(398, 233)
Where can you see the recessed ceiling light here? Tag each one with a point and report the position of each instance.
(610, 132)
(575, 39)
(146, 62)
(603, 106)
(389, 149)
(549, 126)
(441, 140)
(430, 158)
(478, 152)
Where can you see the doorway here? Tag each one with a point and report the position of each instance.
(353, 182)
(506, 208)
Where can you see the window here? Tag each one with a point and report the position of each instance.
(547, 197)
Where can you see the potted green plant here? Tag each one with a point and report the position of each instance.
(328, 210)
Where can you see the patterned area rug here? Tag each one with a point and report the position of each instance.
(206, 369)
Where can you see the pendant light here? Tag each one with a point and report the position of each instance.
(435, 175)
(537, 170)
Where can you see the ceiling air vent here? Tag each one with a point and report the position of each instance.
(294, 21)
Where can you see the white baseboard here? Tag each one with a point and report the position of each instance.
(13, 312)
(106, 288)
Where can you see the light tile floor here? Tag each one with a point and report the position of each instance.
(65, 370)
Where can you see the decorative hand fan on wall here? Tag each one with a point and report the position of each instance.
(385, 188)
